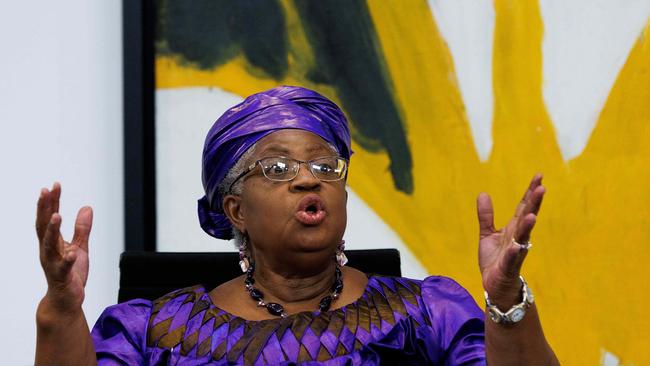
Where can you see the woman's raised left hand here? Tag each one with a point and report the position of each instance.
(500, 253)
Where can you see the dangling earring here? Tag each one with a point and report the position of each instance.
(244, 261)
(341, 259)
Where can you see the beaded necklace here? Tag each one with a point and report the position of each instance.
(278, 310)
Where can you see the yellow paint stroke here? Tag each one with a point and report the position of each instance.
(610, 219)
(234, 76)
(589, 264)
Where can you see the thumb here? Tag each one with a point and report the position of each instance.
(485, 214)
(82, 226)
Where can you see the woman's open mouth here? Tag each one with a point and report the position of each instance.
(311, 210)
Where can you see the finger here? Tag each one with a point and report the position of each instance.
(536, 198)
(69, 257)
(58, 272)
(48, 203)
(524, 228)
(43, 213)
(515, 252)
(514, 259)
(82, 227)
(56, 196)
(485, 213)
(525, 200)
(532, 207)
(52, 237)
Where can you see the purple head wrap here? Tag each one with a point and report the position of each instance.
(243, 125)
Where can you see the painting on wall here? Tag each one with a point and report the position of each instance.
(445, 99)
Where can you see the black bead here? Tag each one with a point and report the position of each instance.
(256, 294)
(337, 288)
(275, 308)
(325, 303)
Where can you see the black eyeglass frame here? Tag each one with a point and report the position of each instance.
(300, 162)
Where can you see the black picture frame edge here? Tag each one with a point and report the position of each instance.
(138, 26)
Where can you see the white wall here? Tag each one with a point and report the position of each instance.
(61, 119)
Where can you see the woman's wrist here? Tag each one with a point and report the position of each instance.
(506, 294)
(62, 335)
(52, 313)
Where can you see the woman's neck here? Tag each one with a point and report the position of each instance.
(295, 294)
(295, 291)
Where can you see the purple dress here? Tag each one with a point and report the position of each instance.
(397, 321)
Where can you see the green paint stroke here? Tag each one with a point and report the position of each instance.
(349, 57)
(208, 33)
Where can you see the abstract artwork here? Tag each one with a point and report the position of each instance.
(447, 99)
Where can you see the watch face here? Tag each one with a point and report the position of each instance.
(517, 315)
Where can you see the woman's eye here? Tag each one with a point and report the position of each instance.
(278, 168)
(324, 168)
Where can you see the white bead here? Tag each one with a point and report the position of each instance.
(341, 259)
(244, 265)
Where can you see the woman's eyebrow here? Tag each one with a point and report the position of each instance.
(275, 149)
(283, 150)
(314, 148)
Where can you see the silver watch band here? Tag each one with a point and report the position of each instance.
(517, 312)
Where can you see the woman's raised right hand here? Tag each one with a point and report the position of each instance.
(65, 263)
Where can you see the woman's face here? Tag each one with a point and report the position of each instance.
(292, 221)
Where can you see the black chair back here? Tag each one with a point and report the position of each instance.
(150, 275)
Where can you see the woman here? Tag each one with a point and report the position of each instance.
(274, 170)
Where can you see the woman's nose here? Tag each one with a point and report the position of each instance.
(305, 180)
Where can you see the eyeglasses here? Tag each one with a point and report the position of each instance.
(281, 169)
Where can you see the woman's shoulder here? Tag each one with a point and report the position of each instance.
(445, 315)
(176, 307)
(433, 292)
(140, 310)
(441, 284)
(180, 296)
(126, 331)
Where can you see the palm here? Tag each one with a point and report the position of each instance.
(500, 259)
(65, 263)
(78, 275)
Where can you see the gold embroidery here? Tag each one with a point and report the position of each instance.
(323, 354)
(158, 331)
(172, 338)
(204, 347)
(381, 302)
(189, 342)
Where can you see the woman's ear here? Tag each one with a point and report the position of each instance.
(232, 208)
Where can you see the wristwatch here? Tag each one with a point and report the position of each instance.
(515, 313)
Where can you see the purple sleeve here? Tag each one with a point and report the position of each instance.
(457, 322)
(120, 333)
